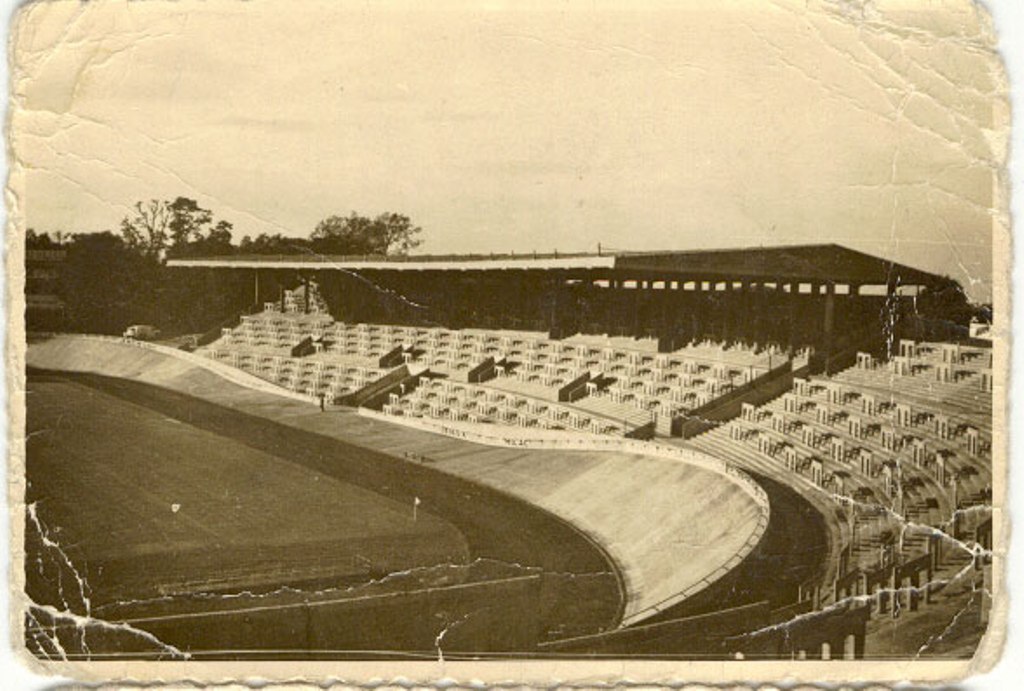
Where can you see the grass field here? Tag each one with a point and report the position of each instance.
(148, 505)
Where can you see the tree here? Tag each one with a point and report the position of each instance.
(107, 285)
(274, 244)
(946, 302)
(174, 229)
(216, 243)
(344, 235)
(389, 233)
(187, 222)
(399, 233)
(146, 231)
(221, 233)
(39, 241)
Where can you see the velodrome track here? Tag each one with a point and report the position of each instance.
(665, 524)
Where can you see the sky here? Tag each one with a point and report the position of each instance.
(552, 126)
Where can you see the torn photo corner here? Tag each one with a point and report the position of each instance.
(580, 342)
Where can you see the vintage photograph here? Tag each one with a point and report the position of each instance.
(657, 333)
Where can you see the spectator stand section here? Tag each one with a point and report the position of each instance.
(513, 378)
(898, 456)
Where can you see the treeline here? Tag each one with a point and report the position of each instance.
(110, 280)
(182, 228)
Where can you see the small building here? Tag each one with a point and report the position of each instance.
(44, 310)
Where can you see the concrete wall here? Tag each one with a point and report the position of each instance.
(724, 408)
(575, 389)
(374, 391)
(392, 358)
(497, 615)
(699, 635)
(482, 372)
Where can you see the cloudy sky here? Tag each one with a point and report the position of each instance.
(676, 127)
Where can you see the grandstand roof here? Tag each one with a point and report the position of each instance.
(805, 263)
(820, 263)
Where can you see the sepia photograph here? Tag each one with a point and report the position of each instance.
(647, 340)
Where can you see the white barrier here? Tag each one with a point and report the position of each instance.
(234, 375)
(495, 435)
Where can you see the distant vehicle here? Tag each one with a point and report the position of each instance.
(979, 329)
(142, 332)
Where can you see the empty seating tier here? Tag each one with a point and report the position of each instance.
(314, 378)
(446, 399)
(586, 383)
(903, 456)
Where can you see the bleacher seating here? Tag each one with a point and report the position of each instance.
(901, 453)
(305, 299)
(312, 377)
(447, 399)
(956, 376)
(602, 382)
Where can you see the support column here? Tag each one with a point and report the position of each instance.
(696, 307)
(520, 303)
(830, 306)
(850, 647)
(339, 293)
(610, 304)
(794, 309)
(636, 308)
(554, 320)
(667, 329)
